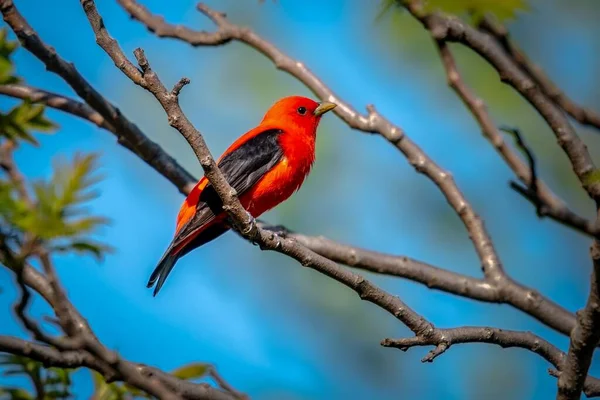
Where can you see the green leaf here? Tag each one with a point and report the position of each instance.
(57, 215)
(592, 177)
(7, 47)
(191, 371)
(96, 250)
(22, 119)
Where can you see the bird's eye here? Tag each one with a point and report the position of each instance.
(301, 110)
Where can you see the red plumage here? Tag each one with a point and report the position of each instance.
(265, 166)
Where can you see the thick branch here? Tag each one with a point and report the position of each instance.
(584, 338)
(148, 79)
(518, 296)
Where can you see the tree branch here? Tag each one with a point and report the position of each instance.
(499, 337)
(446, 28)
(527, 300)
(246, 226)
(135, 140)
(52, 357)
(581, 114)
(452, 29)
(71, 106)
(546, 202)
(584, 338)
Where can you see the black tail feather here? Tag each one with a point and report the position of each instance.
(168, 260)
(162, 270)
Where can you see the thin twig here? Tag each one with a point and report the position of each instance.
(500, 337)
(534, 185)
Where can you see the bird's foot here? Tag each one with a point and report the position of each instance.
(251, 228)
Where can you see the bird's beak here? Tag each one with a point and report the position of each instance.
(323, 108)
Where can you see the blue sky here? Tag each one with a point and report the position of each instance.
(273, 329)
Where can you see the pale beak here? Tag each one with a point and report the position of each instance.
(323, 108)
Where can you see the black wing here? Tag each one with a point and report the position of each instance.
(242, 168)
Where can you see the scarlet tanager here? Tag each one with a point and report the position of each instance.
(265, 166)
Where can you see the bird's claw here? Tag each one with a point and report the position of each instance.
(250, 227)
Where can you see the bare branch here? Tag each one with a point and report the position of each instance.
(584, 338)
(509, 292)
(581, 114)
(451, 29)
(546, 202)
(446, 28)
(500, 337)
(52, 357)
(372, 122)
(242, 220)
(135, 141)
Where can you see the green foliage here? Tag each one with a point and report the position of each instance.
(49, 383)
(114, 390)
(23, 118)
(56, 215)
(7, 47)
(475, 9)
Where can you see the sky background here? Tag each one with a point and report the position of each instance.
(273, 329)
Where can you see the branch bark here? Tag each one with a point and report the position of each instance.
(497, 51)
(52, 357)
(582, 114)
(546, 202)
(584, 337)
(135, 140)
(245, 224)
(451, 29)
(499, 337)
(496, 285)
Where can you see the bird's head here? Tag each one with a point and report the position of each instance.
(297, 112)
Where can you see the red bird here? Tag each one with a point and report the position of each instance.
(265, 166)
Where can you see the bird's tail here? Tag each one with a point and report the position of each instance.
(162, 270)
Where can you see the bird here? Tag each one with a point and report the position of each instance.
(265, 166)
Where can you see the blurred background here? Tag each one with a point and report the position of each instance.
(273, 329)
